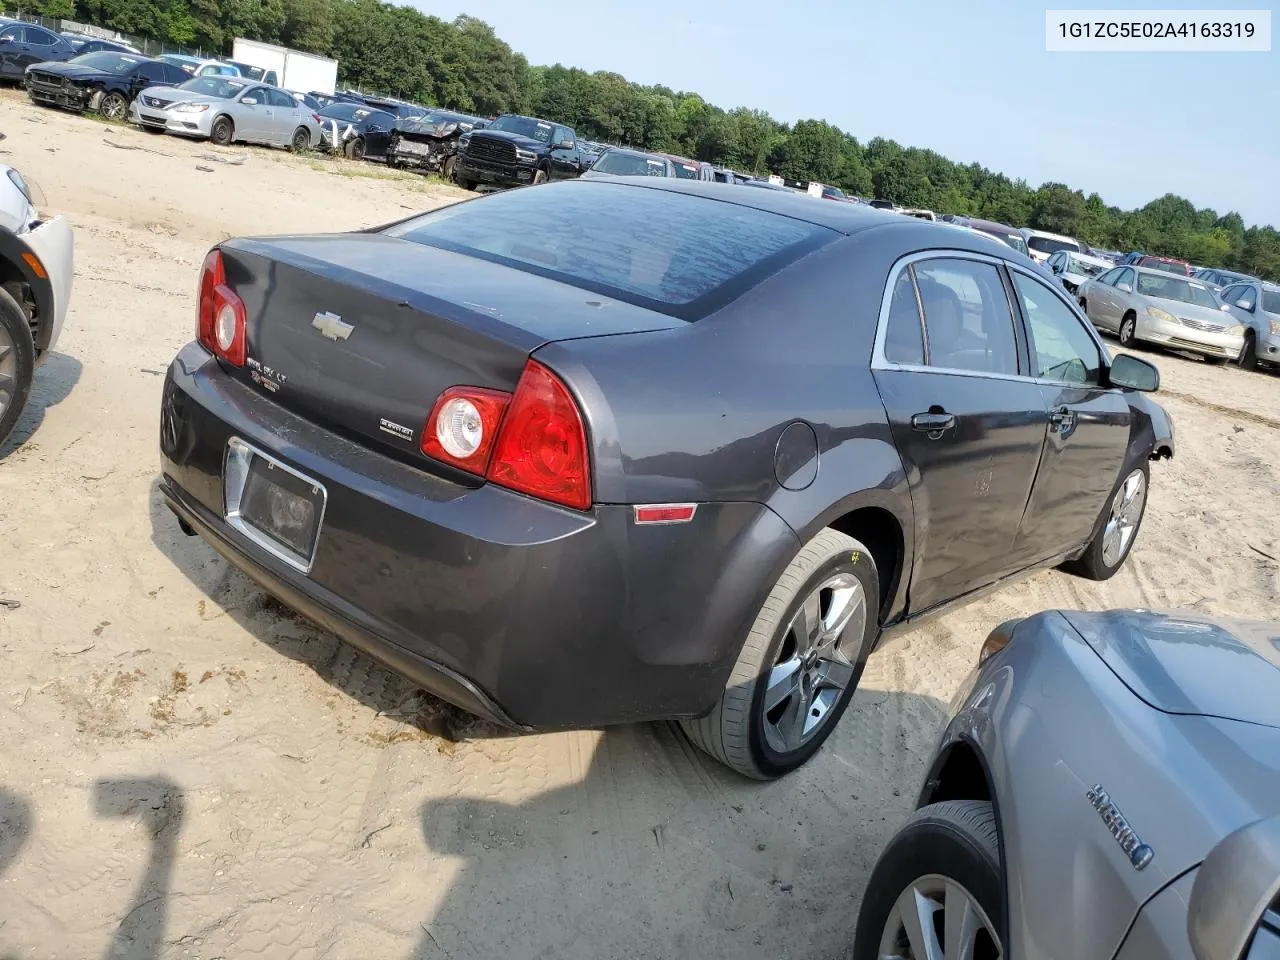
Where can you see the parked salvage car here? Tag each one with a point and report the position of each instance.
(1256, 305)
(104, 82)
(227, 110)
(1074, 269)
(198, 67)
(1221, 279)
(1107, 784)
(1041, 244)
(514, 150)
(430, 142)
(1140, 305)
(598, 423)
(84, 44)
(22, 44)
(623, 162)
(355, 130)
(36, 268)
(687, 169)
(1001, 231)
(1168, 264)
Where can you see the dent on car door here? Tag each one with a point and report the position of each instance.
(968, 427)
(1089, 424)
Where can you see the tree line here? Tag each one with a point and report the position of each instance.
(463, 65)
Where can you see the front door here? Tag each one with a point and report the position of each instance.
(251, 118)
(1088, 425)
(13, 50)
(564, 160)
(970, 428)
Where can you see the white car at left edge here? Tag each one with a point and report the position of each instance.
(37, 260)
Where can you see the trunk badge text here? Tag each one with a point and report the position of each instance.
(332, 326)
(1138, 852)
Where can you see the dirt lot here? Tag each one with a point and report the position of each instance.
(186, 770)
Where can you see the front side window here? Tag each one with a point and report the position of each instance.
(967, 320)
(1061, 348)
(1110, 277)
(1126, 277)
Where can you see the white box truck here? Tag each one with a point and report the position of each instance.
(294, 70)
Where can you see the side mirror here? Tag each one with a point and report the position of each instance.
(1234, 889)
(564, 145)
(1225, 308)
(1133, 373)
(1125, 287)
(1243, 304)
(249, 100)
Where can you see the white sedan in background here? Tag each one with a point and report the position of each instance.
(1074, 269)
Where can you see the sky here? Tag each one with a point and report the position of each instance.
(970, 80)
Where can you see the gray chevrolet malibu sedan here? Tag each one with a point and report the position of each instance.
(1108, 786)
(603, 451)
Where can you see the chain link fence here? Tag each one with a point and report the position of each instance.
(152, 48)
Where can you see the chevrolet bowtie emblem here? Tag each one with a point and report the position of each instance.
(332, 326)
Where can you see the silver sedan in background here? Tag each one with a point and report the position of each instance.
(1140, 304)
(226, 110)
(1108, 787)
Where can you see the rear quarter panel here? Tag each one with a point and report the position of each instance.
(1051, 721)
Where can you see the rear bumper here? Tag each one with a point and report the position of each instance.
(531, 615)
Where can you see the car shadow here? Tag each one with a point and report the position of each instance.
(53, 383)
(292, 635)
(656, 850)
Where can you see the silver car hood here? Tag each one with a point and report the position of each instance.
(1191, 311)
(1191, 665)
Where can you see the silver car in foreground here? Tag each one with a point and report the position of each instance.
(1089, 786)
(1141, 304)
(226, 110)
(1256, 305)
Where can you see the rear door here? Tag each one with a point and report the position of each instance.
(1088, 423)
(968, 423)
(41, 45)
(284, 116)
(1100, 299)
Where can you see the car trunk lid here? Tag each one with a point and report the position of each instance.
(362, 332)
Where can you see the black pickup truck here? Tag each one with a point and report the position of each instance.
(514, 150)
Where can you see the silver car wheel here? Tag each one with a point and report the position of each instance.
(936, 918)
(1128, 329)
(814, 663)
(1126, 514)
(8, 370)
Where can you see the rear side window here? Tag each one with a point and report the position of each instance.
(904, 339)
(683, 255)
(967, 319)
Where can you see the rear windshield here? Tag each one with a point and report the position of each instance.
(630, 164)
(682, 255)
(1050, 246)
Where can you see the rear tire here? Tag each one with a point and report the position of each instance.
(301, 140)
(223, 132)
(1128, 334)
(17, 362)
(466, 184)
(832, 584)
(113, 106)
(953, 845)
(1100, 561)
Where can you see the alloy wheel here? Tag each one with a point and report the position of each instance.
(1127, 330)
(113, 107)
(814, 664)
(8, 370)
(1126, 514)
(936, 918)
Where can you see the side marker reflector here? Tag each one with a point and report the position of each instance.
(665, 512)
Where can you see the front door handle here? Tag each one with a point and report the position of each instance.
(1064, 418)
(933, 423)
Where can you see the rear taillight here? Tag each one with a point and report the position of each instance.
(220, 317)
(316, 118)
(533, 441)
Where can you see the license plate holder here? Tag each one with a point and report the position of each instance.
(277, 507)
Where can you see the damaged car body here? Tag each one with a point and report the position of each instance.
(430, 142)
(104, 82)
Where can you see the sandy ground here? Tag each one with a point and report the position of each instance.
(188, 771)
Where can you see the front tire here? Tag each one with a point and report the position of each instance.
(937, 889)
(800, 663)
(1113, 542)
(113, 106)
(222, 132)
(539, 176)
(17, 362)
(1129, 331)
(1249, 352)
(355, 149)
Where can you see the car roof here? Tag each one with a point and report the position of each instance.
(1089, 258)
(979, 224)
(845, 218)
(1156, 272)
(1032, 232)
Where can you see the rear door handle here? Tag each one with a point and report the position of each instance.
(933, 423)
